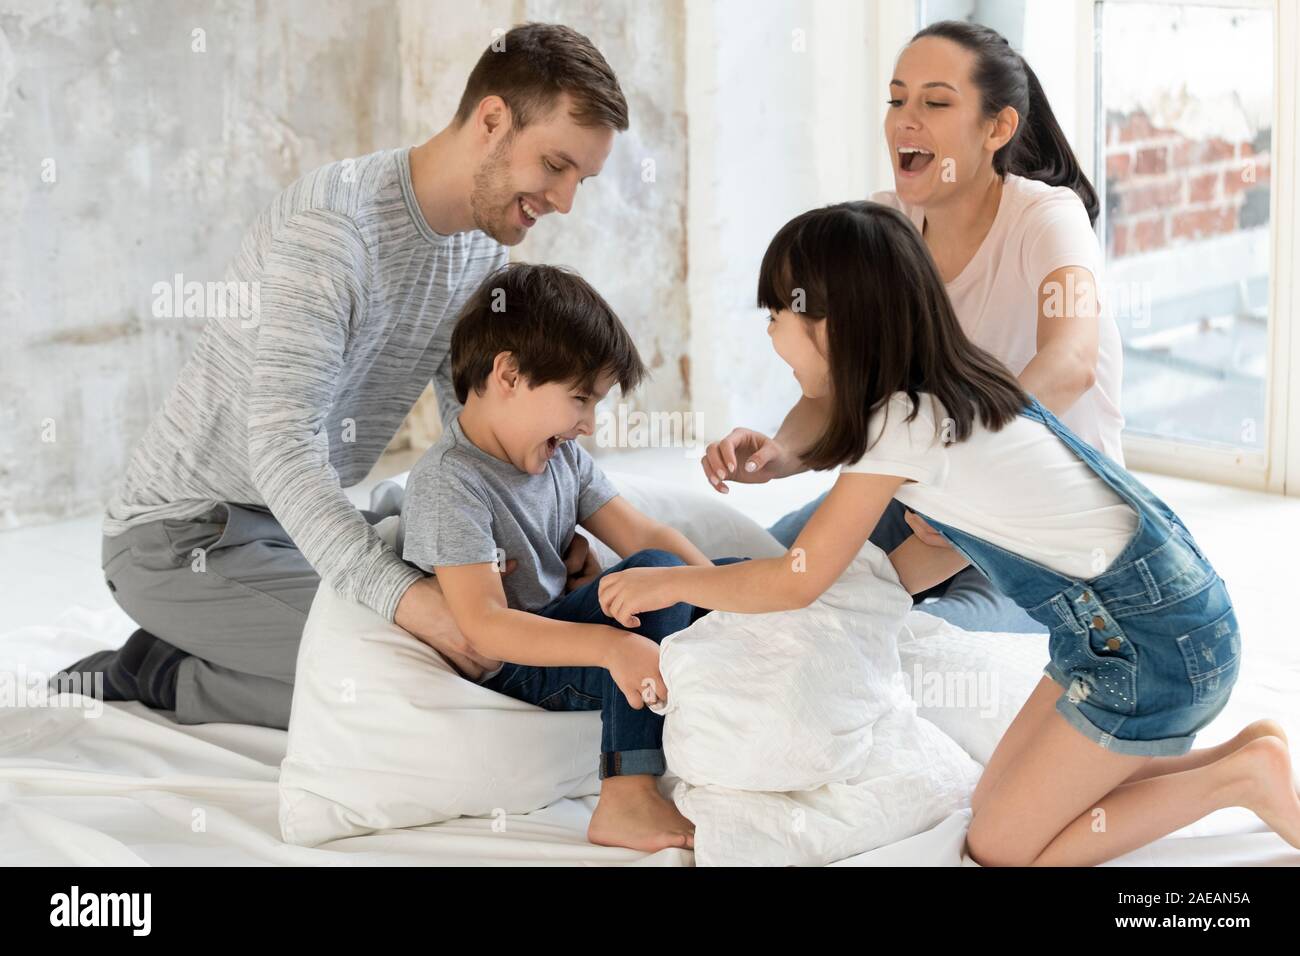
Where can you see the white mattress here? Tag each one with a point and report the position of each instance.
(130, 787)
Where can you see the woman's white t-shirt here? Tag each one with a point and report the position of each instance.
(1037, 230)
(1020, 488)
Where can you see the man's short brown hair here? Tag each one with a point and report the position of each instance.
(533, 64)
(557, 327)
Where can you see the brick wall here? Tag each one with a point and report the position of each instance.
(1163, 189)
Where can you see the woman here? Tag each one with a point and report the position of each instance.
(982, 169)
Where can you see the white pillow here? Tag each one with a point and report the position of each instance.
(802, 689)
(384, 733)
(713, 526)
(970, 684)
(793, 732)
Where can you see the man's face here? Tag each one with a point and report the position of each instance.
(535, 171)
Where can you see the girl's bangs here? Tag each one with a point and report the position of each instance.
(775, 276)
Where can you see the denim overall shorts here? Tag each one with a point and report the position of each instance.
(1148, 649)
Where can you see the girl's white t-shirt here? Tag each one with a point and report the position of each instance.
(1020, 488)
(1037, 230)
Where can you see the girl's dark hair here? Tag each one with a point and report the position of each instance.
(557, 327)
(864, 270)
(1039, 149)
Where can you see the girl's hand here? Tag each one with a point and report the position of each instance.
(625, 594)
(759, 459)
(633, 662)
(921, 528)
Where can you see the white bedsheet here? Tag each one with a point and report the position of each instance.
(132, 788)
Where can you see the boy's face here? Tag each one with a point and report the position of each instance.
(535, 420)
(534, 171)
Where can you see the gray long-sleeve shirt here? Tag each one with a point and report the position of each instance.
(349, 299)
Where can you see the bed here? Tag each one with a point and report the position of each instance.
(126, 786)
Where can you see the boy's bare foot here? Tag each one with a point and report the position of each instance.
(1270, 793)
(632, 813)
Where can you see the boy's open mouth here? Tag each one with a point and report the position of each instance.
(913, 159)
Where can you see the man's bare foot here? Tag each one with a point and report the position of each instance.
(632, 813)
(1270, 792)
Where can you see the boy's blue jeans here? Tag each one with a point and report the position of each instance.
(631, 741)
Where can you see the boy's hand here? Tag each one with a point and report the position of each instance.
(580, 563)
(625, 594)
(633, 662)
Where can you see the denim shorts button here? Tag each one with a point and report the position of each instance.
(1085, 596)
(1113, 644)
(1097, 622)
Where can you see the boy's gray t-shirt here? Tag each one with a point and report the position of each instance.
(462, 504)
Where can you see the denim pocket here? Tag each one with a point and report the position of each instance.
(569, 698)
(1212, 654)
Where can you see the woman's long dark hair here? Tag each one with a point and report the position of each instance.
(1039, 149)
(864, 270)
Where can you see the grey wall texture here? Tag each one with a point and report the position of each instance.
(137, 140)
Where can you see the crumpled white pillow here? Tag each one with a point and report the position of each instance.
(794, 734)
(384, 733)
(970, 684)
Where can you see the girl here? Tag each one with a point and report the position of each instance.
(1143, 642)
(983, 170)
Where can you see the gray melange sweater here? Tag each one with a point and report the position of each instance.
(285, 403)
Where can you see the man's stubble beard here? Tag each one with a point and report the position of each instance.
(488, 199)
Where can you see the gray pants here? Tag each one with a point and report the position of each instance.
(229, 588)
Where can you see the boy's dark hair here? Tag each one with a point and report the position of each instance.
(533, 64)
(557, 327)
(864, 270)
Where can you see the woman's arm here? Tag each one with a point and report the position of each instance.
(1065, 365)
(751, 457)
(808, 417)
(829, 541)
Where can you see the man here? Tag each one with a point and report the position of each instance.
(232, 509)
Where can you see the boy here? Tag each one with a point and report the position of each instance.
(533, 352)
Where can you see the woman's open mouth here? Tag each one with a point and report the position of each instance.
(913, 159)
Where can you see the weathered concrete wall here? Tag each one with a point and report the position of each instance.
(137, 141)
(128, 156)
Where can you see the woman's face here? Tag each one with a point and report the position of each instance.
(802, 345)
(937, 133)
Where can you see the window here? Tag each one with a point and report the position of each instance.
(1185, 134)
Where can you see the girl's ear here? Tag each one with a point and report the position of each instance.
(1003, 129)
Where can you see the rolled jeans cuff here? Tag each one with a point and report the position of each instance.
(625, 763)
